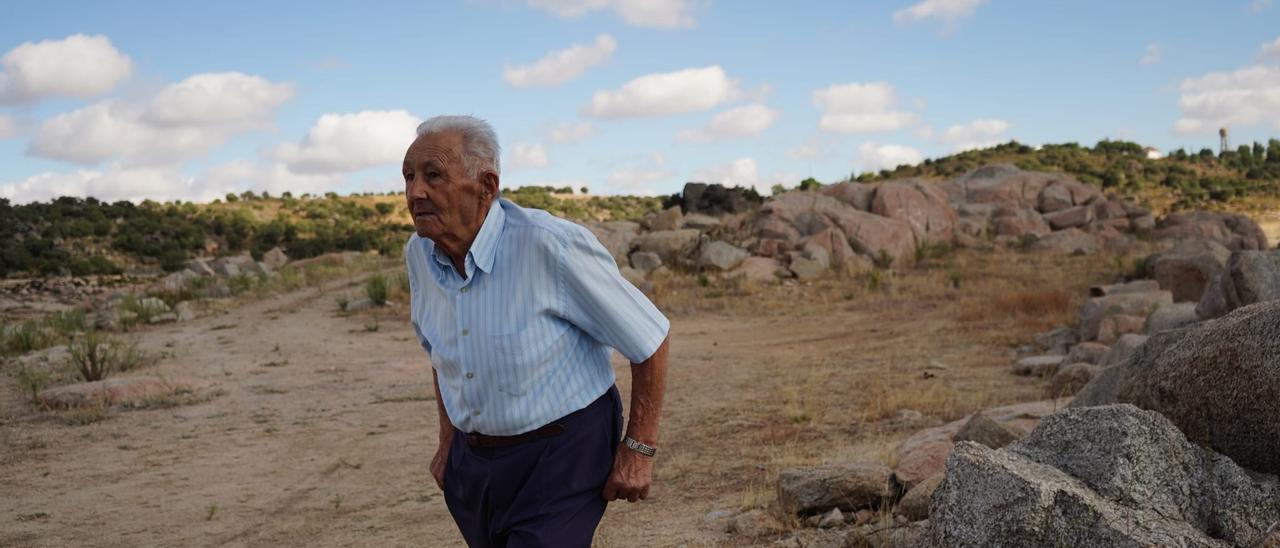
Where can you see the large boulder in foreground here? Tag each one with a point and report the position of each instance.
(1219, 381)
(1103, 476)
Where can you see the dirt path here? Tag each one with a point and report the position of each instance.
(323, 430)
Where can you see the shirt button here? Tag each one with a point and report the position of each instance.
(476, 412)
(471, 375)
(466, 332)
(466, 289)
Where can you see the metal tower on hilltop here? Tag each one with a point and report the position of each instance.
(1226, 143)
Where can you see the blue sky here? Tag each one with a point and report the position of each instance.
(190, 101)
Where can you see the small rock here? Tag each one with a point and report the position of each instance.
(163, 318)
(1038, 366)
(719, 256)
(1124, 347)
(1170, 316)
(669, 219)
(184, 311)
(700, 221)
(851, 486)
(981, 429)
(275, 258)
(1071, 378)
(753, 523)
(1113, 327)
(834, 518)
(645, 261)
(1057, 340)
(113, 391)
(915, 504)
(1090, 352)
(807, 269)
(359, 304)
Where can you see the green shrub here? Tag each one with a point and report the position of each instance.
(95, 355)
(377, 288)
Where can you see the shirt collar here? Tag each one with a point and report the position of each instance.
(485, 246)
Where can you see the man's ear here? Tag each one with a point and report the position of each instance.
(489, 182)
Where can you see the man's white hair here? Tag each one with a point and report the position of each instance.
(480, 150)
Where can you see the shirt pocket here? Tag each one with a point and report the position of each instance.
(528, 358)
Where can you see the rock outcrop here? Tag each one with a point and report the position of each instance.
(1103, 476)
(1219, 381)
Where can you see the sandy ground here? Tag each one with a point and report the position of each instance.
(321, 430)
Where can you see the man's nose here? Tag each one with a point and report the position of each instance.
(417, 188)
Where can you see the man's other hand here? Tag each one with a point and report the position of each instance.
(631, 476)
(439, 461)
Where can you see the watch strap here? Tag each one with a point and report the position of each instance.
(632, 444)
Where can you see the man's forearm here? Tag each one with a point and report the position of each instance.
(648, 384)
(446, 426)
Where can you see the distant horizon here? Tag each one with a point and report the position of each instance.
(625, 97)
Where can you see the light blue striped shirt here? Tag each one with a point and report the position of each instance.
(525, 338)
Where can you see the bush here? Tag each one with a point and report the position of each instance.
(377, 288)
(95, 355)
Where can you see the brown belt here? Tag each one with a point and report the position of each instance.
(476, 439)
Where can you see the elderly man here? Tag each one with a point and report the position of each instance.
(518, 310)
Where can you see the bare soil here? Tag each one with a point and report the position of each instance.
(319, 427)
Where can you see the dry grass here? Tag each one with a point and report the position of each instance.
(822, 368)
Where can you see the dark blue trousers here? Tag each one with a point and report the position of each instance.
(542, 493)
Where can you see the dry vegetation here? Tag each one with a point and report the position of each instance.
(323, 426)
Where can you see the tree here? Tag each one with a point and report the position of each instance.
(583, 189)
(810, 184)
(777, 189)
(1273, 151)
(231, 197)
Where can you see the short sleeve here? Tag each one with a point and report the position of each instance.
(410, 259)
(605, 305)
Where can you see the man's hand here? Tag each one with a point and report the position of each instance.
(441, 460)
(631, 476)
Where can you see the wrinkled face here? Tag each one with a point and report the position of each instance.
(444, 202)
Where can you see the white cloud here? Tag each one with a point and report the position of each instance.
(638, 178)
(1244, 97)
(347, 142)
(115, 183)
(743, 121)
(1153, 54)
(981, 133)
(76, 66)
(660, 14)
(1270, 50)
(561, 66)
(663, 94)
(224, 98)
(1258, 6)
(814, 147)
(741, 171)
(860, 108)
(8, 127)
(875, 157)
(528, 156)
(572, 132)
(183, 120)
(950, 12)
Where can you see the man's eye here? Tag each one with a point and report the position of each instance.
(432, 175)
(408, 176)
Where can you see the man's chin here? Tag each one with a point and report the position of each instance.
(425, 229)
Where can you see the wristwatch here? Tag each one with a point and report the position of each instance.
(646, 450)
